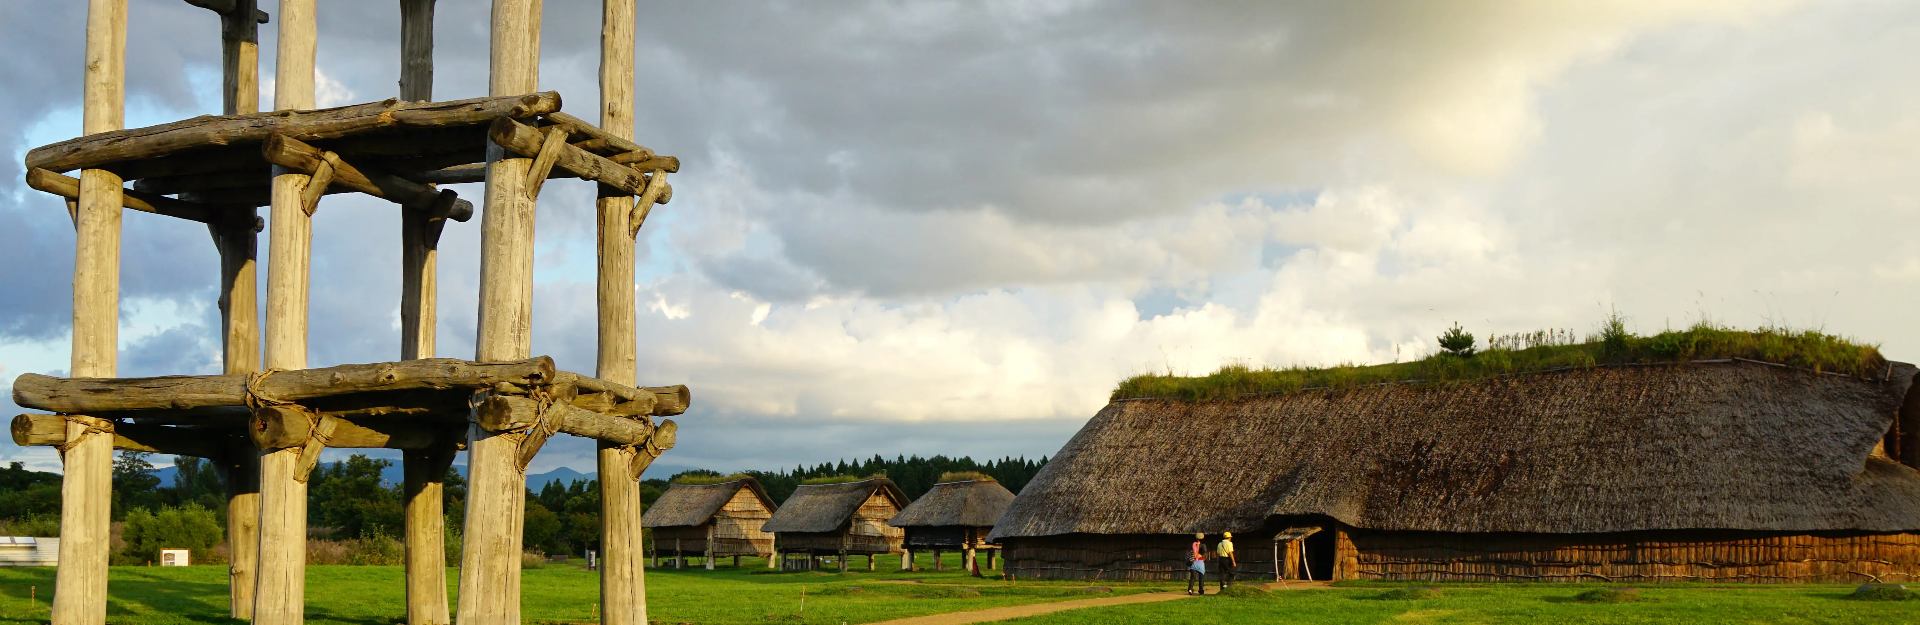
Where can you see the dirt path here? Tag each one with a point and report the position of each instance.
(1016, 611)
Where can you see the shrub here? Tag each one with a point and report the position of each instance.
(1882, 592)
(187, 527)
(1457, 342)
(42, 525)
(965, 476)
(690, 477)
(533, 560)
(1608, 595)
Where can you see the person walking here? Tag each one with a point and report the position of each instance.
(1228, 563)
(1197, 570)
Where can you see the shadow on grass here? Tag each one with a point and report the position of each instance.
(167, 595)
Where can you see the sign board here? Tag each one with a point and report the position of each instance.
(174, 557)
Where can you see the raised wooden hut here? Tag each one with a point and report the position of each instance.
(955, 515)
(714, 520)
(1720, 471)
(840, 520)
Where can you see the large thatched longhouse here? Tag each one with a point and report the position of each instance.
(838, 520)
(712, 520)
(1728, 471)
(954, 515)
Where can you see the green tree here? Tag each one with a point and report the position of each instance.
(134, 484)
(1457, 342)
(540, 528)
(353, 497)
(186, 527)
(28, 494)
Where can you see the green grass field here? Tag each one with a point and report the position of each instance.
(1510, 603)
(371, 595)
(374, 595)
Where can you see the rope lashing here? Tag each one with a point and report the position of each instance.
(255, 399)
(93, 425)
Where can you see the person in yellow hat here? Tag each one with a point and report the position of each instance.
(1197, 570)
(1228, 563)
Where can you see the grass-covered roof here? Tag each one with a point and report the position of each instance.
(1549, 350)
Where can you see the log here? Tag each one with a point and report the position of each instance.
(86, 489)
(298, 156)
(31, 430)
(509, 413)
(68, 187)
(277, 427)
(425, 470)
(543, 161)
(643, 162)
(458, 174)
(496, 494)
(526, 141)
(617, 138)
(306, 125)
(280, 586)
(241, 469)
(222, 159)
(89, 395)
(416, 85)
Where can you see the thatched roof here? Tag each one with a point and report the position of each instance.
(687, 505)
(1734, 445)
(972, 503)
(826, 507)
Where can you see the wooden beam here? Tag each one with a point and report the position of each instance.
(90, 395)
(543, 161)
(306, 125)
(526, 141)
(296, 155)
(31, 430)
(230, 179)
(606, 141)
(68, 187)
(643, 162)
(278, 427)
(509, 413)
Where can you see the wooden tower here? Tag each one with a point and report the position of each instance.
(265, 420)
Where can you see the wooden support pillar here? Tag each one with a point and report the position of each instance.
(736, 561)
(496, 492)
(425, 470)
(773, 560)
(708, 555)
(280, 587)
(870, 562)
(87, 460)
(239, 246)
(623, 593)
(679, 556)
(906, 559)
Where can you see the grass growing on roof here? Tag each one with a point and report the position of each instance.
(1535, 351)
(835, 479)
(965, 476)
(696, 480)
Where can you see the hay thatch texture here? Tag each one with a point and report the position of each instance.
(688, 505)
(828, 507)
(849, 517)
(1740, 446)
(973, 503)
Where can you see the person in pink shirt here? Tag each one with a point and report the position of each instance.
(1197, 571)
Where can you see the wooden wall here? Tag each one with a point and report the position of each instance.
(1666, 556)
(866, 533)
(736, 528)
(1662, 556)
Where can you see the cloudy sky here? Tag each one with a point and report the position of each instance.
(950, 227)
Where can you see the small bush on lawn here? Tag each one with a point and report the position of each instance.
(188, 527)
(1608, 595)
(533, 560)
(1416, 593)
(1882, 592)
(1243, 592)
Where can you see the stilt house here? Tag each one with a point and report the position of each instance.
(956, 515)
(1709, 471)
(713, 520)
(840, 520)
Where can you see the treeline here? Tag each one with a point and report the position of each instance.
(915, 475)
(353, 510)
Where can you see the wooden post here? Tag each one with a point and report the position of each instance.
(279, 591)
(496, 491)
(906, 560)
(424, 469)
(87, 461)
(971, 566)
(239, 247)
(708, 556)
(736, 561)
(679, 556)
(623, 592)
